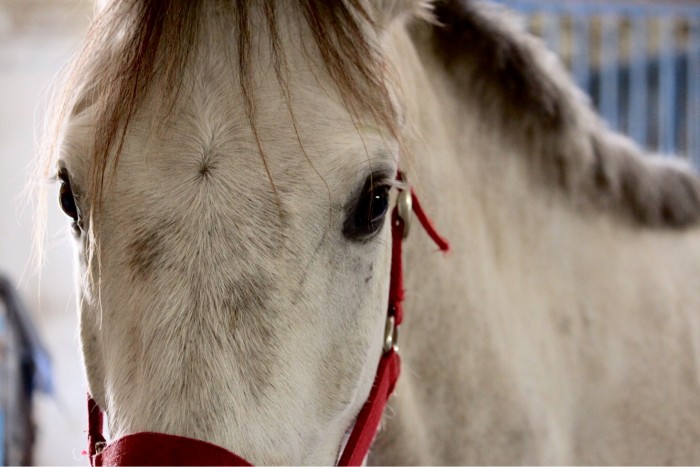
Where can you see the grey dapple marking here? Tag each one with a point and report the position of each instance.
(220, 298)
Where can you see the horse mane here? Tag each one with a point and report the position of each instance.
(510, 76)
(139, 46)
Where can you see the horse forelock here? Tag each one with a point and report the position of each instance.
(136, 47)
(511, 78)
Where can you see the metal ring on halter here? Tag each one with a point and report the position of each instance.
(391, 334)
(404, 206)
(100, 446)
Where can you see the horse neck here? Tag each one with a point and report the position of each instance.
(528, 269)
(448, 339)
(464, 171)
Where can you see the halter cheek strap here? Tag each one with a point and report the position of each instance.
(163, 449)
(389, 368)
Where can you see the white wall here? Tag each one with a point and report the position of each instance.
(36, 39)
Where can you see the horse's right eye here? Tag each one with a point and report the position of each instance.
(65, 196)
(368, 214)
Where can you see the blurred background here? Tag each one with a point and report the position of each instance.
(638, 60)
(37, 38)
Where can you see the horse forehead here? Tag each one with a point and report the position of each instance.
(205, 158)
(210, 126)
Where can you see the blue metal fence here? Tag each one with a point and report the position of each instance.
(4, 382)
(3, 325)
(639, 62)
(25, 366)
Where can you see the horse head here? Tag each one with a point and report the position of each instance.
(228, 170)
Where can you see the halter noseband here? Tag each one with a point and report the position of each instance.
(162, 449)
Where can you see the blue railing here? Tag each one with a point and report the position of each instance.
(639, 62)
(3, 389)
(25, 366)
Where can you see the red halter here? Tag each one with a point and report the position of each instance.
(163, 449)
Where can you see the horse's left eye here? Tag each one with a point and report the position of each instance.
(65, 196)
(368, 216)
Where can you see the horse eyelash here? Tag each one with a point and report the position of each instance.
(395, 183)
(54, 178)
(51, 179)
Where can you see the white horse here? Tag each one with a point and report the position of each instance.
(228, 167)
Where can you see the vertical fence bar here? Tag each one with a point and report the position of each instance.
(4, 381)
(3, 460)
(638, 90)
(609, 68)
(551, 30)
(667, 86)
(580, 59)
(693, 120)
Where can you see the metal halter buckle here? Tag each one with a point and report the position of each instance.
(391, 334)
(404, 206)
(100, 446)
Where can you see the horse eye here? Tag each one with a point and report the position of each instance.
(65, 196)
(368, 215)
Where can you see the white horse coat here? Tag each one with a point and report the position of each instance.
(224, 301)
